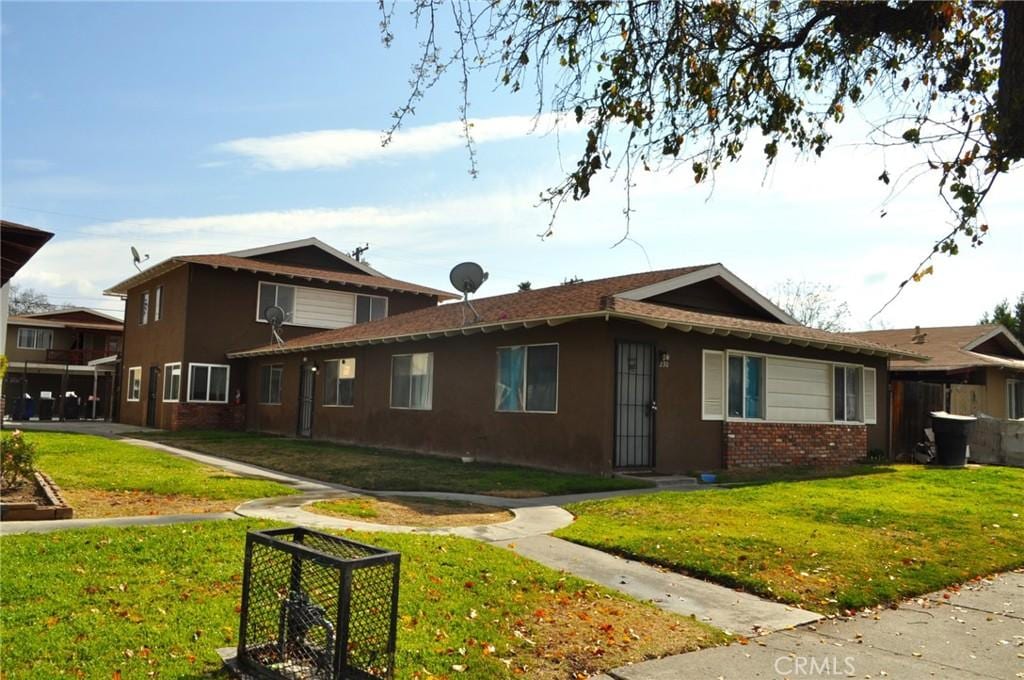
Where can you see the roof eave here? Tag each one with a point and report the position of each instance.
(660, 323)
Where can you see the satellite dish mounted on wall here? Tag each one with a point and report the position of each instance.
(275, 317)
(138, 259)
(467, 277)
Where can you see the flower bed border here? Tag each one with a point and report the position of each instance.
(55, 508)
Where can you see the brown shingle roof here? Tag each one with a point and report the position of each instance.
(285, 270)
(557, 304)
(944, 347)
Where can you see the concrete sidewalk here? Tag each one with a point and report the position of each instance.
(731, 610)
(978, 632)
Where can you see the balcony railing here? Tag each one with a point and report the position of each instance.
(75, 356)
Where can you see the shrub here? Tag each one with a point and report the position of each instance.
(18, 459)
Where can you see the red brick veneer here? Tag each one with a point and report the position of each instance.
(191, 416)
(761, 445)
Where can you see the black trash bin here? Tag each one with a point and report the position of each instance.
(951, 432)
(46, 409)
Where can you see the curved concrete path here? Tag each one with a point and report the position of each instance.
(526, 521)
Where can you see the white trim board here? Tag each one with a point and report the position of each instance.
(1000, 330)
(303, 243)
(710, 272)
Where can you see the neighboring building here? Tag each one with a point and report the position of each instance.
(50, 373)
(18, 243)
(185, 314)
(980, 368)
(672, 371)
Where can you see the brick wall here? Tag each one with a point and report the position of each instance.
(189, 416)
(761, 445)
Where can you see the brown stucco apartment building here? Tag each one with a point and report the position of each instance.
(673, 371)
(186, 314)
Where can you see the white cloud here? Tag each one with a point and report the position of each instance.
(341, 148)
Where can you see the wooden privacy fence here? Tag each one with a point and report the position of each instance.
(912, 403)
(967, 400)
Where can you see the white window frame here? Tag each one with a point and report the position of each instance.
(35, 338)
(764, 386)
(866, 384)
(1011, 398)
(144, 308)
(831, 367)
(526, 361)
(209, 375)
(134, 381)
(355, 309)
(169, 370)
(288, 315)
(353, 379)
(839, 364)
(280, 383)
(703, 384)
(391, 381)
(158, 303)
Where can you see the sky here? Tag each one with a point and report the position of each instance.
(185, 128)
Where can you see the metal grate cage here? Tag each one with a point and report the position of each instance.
(317, 607)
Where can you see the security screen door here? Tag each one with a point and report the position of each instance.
(634, 405)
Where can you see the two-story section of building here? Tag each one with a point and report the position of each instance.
(56, 364)
(185, 314)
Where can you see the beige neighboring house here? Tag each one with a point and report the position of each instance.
(62, 362)
(981, 367)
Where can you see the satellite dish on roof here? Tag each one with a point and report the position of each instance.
(275, 317)
(467, 277)
(138, 259)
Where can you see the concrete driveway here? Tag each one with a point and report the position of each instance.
(974, 632)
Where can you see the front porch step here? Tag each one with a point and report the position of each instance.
(663, 481)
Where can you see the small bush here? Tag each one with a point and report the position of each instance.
(877, 456)
(18, 461)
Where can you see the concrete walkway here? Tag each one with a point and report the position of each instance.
(730, 610)
(49, 526)
(978, 632)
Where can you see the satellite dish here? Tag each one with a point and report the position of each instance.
(138, 259)
(275, 317)
(467, 277)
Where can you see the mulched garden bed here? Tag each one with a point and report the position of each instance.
(35, 500)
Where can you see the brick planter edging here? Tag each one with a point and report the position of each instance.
(56, 507)
(763, 445)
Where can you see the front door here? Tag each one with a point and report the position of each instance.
(154, 374)
(307, 380)
(635, 407)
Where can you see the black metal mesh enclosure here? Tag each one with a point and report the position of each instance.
(316, 606)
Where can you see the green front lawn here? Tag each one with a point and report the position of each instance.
(374, 469)
(827, 544)
(158, 601)
(104, 477)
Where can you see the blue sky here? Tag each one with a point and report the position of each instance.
(203, 127)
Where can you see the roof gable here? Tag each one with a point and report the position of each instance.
(73, 314)
(711, 289)
(18, 243)
(308, 252)
(952, 347)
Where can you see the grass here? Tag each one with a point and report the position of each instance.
(375, 469)
(157, 601)
(829, 544)
(412, 511)
(102, 477)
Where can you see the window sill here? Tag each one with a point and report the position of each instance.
(268, 403)
(524, 412)
(340, 406)
(411, 408)
(203, 401)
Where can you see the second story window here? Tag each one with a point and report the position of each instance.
(158, 303)
(35, 338)
(370, 308)
(144, 309)
(273, 295)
